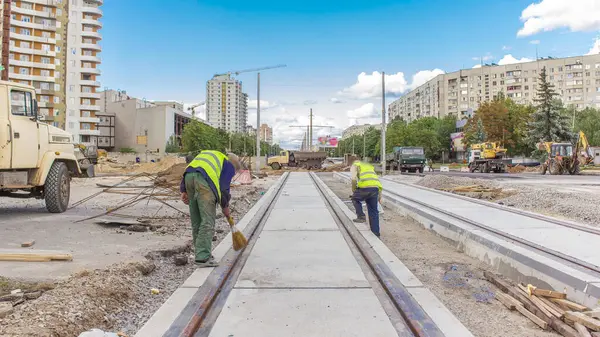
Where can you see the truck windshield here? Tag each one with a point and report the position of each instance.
(412, 151)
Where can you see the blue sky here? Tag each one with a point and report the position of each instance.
(157, 51)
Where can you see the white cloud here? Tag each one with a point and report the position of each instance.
(506, 47)
(200, 111)
(264, 105)
(595, 48)
(369, 86)
(548, 15)
(477, 66)
(534, 42)
(509, 59)
(335, 100)
(365, 111)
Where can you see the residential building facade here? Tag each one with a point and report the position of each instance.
(266, 133)
(459, 94)
(82, 69)
(226, 104)
(358, 130)
(106, 127)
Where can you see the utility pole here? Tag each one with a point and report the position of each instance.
(364, 145)
(382, 123)
(311, 131)
(257, 161)
(353, 152)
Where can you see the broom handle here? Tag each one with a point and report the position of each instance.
(230, 220)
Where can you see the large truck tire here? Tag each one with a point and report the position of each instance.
(57, 189)
(275, 166)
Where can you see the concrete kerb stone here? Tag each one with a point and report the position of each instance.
(515, 261)
(443, 318)
(160, 322)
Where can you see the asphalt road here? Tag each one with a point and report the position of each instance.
(525, 177)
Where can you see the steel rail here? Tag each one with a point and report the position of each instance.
(416, 319)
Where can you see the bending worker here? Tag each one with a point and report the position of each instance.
(205, 183)
(366, 187)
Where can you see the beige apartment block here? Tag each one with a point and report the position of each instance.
(459, 94)
(226, 104)
(266, 133)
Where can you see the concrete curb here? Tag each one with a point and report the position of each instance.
(162, 319)
(443, 318)
(515, 261)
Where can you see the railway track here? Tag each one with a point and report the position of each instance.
(406, 315)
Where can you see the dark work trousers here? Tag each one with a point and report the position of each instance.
(369, 195)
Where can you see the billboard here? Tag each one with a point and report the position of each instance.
(327, 141)
(457, 144)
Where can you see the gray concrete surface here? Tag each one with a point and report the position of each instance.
(92, 245)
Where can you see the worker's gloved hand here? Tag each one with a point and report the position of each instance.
(185, 198)
(226, 212)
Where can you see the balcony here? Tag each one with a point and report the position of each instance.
(91, 46)
(42, 52)
(91, 10)
(91, 71)
(92, 22)
(94, 95)
(89, 132)
(15, 76)
(39, 91)
(90, 58)
(32, 64)
(46, 2)
(91, 34)
(46, 104)
(32, 38)
(89, 107)
(94, 120)
(90, 83)
(42, 78)
(33, 25)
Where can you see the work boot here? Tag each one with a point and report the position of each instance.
(211, 262)
(360, 219)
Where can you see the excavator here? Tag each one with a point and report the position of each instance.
(87, 156)
(566, 157)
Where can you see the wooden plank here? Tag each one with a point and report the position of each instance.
(570, 305)
(545, 293)
(507, 300)
(536, 301)
(512, 291)
(593, 313)
(562, 328)
(554, 306)
(34, 256)
(532, 317)
(583, 331)
(588, 322)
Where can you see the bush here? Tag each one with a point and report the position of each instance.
(127, 150)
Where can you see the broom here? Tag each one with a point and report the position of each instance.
(239, 240)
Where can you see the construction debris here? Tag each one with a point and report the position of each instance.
(546, 308)
(34, 256)
(28, 244)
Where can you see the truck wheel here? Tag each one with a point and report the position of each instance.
(544, 169)
(421, 170)
(275, 166)
(57, 189)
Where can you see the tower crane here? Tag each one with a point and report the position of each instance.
(193, 108)
(237, 72)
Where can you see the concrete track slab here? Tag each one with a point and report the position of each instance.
(285, 219)
(299, 203)
(300, 191)
(303, 313)
(314, 259)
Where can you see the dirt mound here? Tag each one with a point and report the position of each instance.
(470, 187)
(516, 169)
(161, 165)
(172, 175)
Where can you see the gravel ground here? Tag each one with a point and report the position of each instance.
(117, 298)
(455, 278)
(580, 206)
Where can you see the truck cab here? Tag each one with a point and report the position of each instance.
(409, 158)
(36, 159)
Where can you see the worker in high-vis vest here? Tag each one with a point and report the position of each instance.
(205, 184)
(366, 187)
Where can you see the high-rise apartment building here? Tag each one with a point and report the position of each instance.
(52, 45)
(226, 104)
(266, 133)
(82, 69)
(459, 94)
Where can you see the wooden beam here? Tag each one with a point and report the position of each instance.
(34, 256)
(562, 328)
(588, 322)
(555, 307)
(583, 331)
(545, 293)
(570, 305)
(540, 322)
(507, 300)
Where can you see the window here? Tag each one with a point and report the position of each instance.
(588, 66)
(45, 47)
(71, 88)
(85, 126)
(560, 68)
(46, 34)
(26, 5)
(11, 69)
(24, 71)
(45, 72)
(25, 31)
(85, 114)
(26, 19)
(45, 60)
(56, 86)
(45, 86)
(21, 103)
(24, 58)
(56, 100)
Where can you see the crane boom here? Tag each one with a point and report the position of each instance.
(237, 72)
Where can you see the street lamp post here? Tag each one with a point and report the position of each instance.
(382, 123)
(257, 161)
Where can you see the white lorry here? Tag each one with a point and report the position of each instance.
(37, 160)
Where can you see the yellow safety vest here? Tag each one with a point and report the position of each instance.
(367, 176)
(212, 163)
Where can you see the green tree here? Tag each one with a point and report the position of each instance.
(519, 116)
(588, 121)
(172, 145)
(474, 131)
(548, 123)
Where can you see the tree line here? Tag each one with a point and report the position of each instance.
(198, 136)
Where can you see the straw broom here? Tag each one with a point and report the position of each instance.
(239, 240)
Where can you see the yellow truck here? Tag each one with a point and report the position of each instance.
(307, 160)
(37, 160)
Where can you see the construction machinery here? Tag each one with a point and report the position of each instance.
(566, 157)
(306, 160)
(488, 157)
(37, 160)
(87, 156)
(406, 159)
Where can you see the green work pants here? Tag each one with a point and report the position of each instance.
(203, 213)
